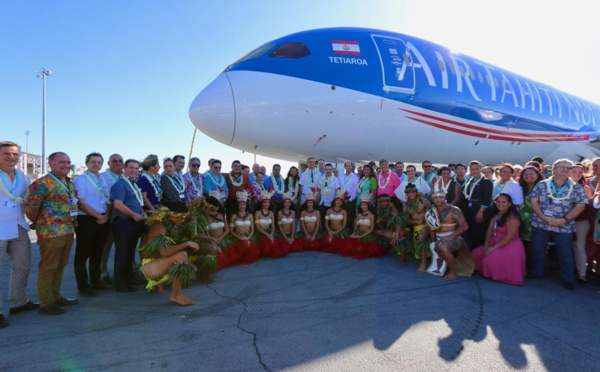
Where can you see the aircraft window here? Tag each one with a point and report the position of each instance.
(471, 75)
(290, 50)
(503, 85)
(480, 77)
(462, 71)
(406, 59)
(487, 78)
(496, 82)
(258, 52)
(442, 65)
(452, 70)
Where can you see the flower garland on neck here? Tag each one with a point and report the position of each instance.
(136, 190)
(238, 182)
(362, 182)
(155, 185)
(9, 194)
(196, 183)
(293, 188)
(307, 174)
(97, 185)
(380, 176)
(475, 182)
(441, 187)
(176, 184)
(550, 188)
(499, 189)
(113, 177)
(278, 189)
(326, 185)
(220, 182)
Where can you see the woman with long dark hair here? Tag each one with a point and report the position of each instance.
(367, 185)
(502, 257)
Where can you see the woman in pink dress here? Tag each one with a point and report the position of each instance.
(502, 257)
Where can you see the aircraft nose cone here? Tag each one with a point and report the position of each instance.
(213, 110)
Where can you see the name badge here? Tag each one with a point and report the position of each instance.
(73, 211)
(181, 196)
(10, 204)
(548, 213)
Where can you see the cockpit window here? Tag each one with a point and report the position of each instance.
(256, 53)
(290, 50)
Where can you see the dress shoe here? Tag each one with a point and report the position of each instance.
(125, 288)
(89, 292)
(66, 302)
(51, 310)
(28, 306)
(569, 285)
(137, 281)
(106, 280)
(3, 322)
(101, 286)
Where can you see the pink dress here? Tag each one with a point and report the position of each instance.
(505, 264)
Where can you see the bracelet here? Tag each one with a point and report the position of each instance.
(566, 219)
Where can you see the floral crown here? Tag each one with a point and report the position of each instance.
(215, 194)
(365, 198)
(242, 196)
(287, 195)
(163, 213)
(339, 194)
(265, 195)
(309, 196)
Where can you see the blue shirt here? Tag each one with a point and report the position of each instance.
(211, 185)
(121, 191)
(268, 184)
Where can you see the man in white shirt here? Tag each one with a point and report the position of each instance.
(179, 161)
(349, 184)
(309, 179)
(328, 186)
(92, 226)
(110, 177)
(14, 240)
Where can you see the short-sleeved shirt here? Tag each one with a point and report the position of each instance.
(349, 183)
(212, 183)
(121, 191)
(194, 185)
(559, 208)
(323, 185)
(149, 186)
(387, 184)
(54, 203)
(511, 188)
(95, 195)
(309, 180)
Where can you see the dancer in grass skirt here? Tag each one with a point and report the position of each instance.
(242, 250)
(365, 244)
(286, 224)
(336, 220)
(310, 220)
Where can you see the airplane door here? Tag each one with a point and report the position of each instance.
(396, 64)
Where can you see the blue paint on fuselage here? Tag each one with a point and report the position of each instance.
(376, 70)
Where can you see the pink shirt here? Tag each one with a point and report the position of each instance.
(388, 183)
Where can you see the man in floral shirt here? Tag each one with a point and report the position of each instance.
(52, 207)
(556, 202)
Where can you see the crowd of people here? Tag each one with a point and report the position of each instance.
(501, 221)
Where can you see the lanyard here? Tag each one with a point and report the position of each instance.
(561, 189)
(63, 185)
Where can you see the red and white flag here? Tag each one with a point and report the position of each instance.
(345, 47)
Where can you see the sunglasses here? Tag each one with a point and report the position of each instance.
(194, 165)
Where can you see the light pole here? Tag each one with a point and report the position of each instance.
(42, 75)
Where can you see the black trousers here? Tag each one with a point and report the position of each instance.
(126, 232)
(89, 245)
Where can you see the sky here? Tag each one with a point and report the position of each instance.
(126, 72)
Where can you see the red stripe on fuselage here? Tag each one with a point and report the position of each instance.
(575, 137)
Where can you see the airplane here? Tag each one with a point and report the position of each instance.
(365, 94)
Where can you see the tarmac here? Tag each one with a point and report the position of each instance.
(313, 311)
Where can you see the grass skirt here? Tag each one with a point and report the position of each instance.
(365, 247)
(242, 252)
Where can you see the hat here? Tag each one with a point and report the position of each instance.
(242, 196)
(265, 195)
(287, 195)
(309, 196)
(339, 194)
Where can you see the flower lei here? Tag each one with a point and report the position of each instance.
(239, 181)
(97, 185)
(498, 184)
(10, 196)
(362, 183)
(380, 176)
(220, 182)
(293, 188)
(549, 189)
(196, 183)
(179, 189)
(476, 180)
(307, 174)
(136, 191)
(428, 178)
(113, 177)
(155, 185)
(443, 188)
(326, 189)
(278, 190)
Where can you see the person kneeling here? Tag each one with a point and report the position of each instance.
(166, 259)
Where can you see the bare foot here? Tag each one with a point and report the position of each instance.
(182, 300)
(421, 269)
(204, 278)
(450, 277)
(160, 288)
